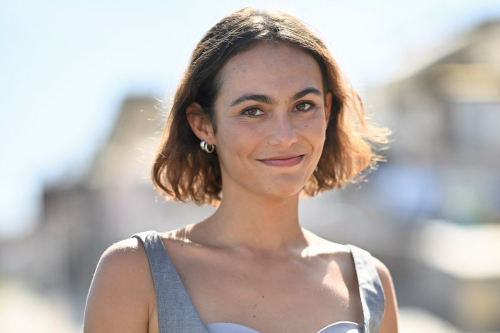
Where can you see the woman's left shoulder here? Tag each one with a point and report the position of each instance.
(324, 247)
(390, 320)
(383, 271)
(336, 251)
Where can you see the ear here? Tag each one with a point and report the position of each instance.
(200, 124)
(328, 105)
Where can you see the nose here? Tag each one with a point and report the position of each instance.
(283, 132)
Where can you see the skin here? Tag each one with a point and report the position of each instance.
(249, 263)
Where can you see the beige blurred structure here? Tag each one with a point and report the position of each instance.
(113, 200)
(431, 213)
(445, 109)
(460, 269)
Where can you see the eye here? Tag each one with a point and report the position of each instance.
(253, 112)
(304, 107)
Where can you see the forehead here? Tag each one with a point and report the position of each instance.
(270, 68)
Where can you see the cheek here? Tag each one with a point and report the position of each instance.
(314, 129)
(235, 141)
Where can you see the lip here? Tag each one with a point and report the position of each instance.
(283, 160)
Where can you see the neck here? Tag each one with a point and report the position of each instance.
(256, 225)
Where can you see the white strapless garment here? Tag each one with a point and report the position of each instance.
(338, 327)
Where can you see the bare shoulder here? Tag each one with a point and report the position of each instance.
(127, 249)
(121, 295)
(335, 254)
(390, 320)
(383, 272)
(385, 276)
(125, 261)
(319, 245)
(127, 256)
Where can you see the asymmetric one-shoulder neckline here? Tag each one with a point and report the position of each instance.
(176, 312)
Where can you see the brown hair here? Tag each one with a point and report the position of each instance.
(185, 172)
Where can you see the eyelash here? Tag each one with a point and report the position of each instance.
(311, 106)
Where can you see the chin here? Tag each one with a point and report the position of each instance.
(281, 191)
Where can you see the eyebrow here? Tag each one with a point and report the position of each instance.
(266, 99)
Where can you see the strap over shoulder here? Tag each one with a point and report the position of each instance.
(370, 289)
(176, 312)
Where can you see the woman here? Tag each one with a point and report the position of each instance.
(260, 117)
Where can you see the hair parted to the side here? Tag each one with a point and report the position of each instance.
(186, 173)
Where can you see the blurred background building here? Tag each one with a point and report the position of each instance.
(431, 213)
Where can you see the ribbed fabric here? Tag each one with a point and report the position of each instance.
(176, 313)
(370, 289)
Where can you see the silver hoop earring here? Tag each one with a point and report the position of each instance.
(206, 147)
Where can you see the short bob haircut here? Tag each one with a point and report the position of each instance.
(186, 173)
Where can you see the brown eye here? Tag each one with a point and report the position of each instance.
(306, 106)
(254, 112)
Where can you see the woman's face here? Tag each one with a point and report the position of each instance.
(271, 120)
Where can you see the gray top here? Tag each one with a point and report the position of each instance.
(177, 314)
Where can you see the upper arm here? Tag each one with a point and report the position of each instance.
(390, 320)
(119, 298)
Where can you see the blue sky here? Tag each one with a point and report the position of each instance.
(66, 65)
